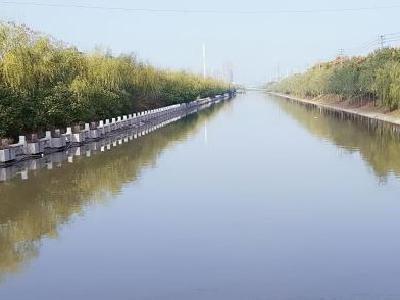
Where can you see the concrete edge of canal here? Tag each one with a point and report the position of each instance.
(101, 138)
(373, 120)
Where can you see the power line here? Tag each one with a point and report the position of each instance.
(203, 11)
(393, 33)
(381, 41)
(204, 62)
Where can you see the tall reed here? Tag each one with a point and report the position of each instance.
(375, 78)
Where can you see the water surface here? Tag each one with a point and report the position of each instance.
(257, 198)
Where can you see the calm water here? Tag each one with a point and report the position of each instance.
(257, 198)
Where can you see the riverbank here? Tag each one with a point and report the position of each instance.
(46, 84)
(361, 109)
(102, 135)
(373, 78)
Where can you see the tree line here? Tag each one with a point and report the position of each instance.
(47, 84)
(375, 78)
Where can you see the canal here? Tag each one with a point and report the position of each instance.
(255, 198)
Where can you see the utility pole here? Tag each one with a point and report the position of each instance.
(278, 73)
(227, 71)
(341, 55)
(231, 76)
(204, 62)
(382, 38)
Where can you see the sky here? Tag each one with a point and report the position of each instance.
(258, 46)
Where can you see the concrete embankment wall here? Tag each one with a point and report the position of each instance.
(101, 134)
(373, 120)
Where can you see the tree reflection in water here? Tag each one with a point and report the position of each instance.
(378, 148)
(34, 209)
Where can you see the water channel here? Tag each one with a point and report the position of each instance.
(255, 198)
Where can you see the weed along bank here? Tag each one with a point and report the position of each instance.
(363, 87)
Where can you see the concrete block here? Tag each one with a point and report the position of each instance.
(106, 129)
(14, 150)
(101, 128)
(22, 140)
(17, 149)
(119, 123)
(58, 142)
(6, 155)
(94, 134)
(33, 148)
(65, 136)
(125, 121)
(86, 134)
(77, 137)
(113, 124)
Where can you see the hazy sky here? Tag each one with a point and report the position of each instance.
(256, 44)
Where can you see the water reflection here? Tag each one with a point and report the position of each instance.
(379, 148)
(34, 209)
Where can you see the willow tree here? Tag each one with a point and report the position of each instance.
(46, 84)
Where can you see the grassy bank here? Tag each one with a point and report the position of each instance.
(373, 79)
(46, 84)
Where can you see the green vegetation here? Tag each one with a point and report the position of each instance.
(45, 84)
(375, 78)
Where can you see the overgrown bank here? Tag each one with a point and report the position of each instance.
(46, 84)
(373, 79)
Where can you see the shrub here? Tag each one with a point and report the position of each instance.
(375, 77)
(45, 84)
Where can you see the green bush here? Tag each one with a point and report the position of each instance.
(45, 84)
